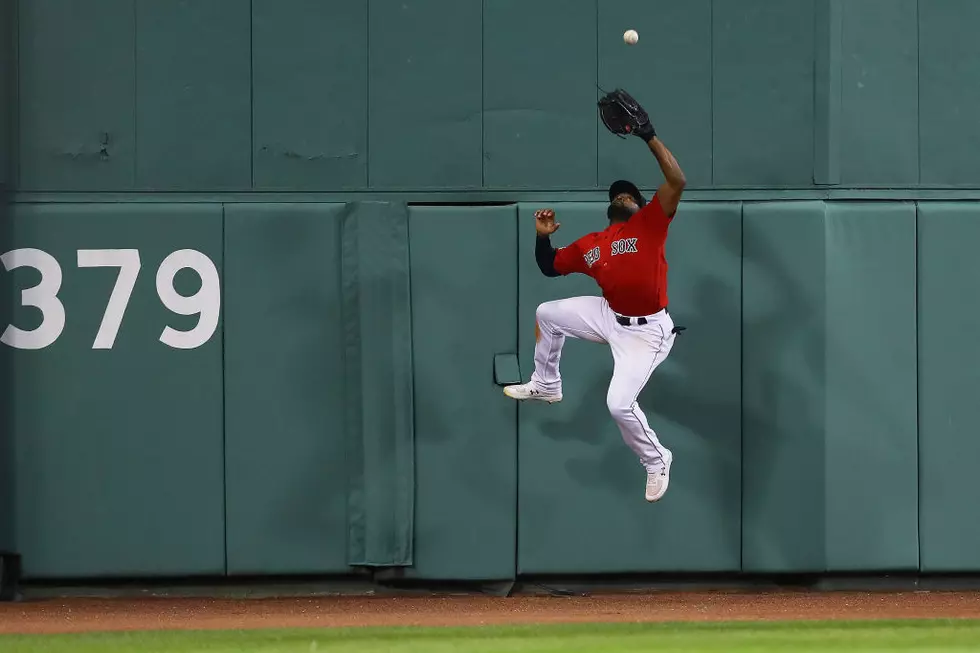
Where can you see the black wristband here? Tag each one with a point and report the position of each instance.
(646, 132)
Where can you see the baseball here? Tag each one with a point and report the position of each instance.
(631, 37)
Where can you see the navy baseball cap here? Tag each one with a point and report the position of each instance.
(623, 186)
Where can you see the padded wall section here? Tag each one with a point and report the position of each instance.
(309, 86)
(77, 85)
(762, 97)
(119, 449)
(949, 97)
(284, 390)
(871, 415)
(539, 103)
(425, 107)
(379, 420)
(193, 96)
(582, 508)
(829, 387)
(949, 383)
(675, 90)
(783, 383)
(464, 312)
(880, 100)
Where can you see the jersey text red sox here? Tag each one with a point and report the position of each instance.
(626, 259)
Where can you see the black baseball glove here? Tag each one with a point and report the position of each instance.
(623, 116)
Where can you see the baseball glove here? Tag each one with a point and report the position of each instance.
(623, 116)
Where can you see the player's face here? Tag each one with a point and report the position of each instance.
(626, 201)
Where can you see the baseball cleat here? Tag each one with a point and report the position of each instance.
(659, 477)
(529, 391)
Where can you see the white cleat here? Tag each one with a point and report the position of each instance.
(659, 477)
(529, 391)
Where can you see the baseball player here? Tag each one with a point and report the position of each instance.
(627, 261)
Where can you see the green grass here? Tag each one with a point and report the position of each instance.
(919, 636)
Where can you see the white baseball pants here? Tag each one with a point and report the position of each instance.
(637, 351)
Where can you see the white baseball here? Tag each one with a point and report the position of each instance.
(631, 37)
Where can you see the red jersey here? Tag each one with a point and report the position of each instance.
(626, 259)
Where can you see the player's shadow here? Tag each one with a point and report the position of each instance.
(591, 423)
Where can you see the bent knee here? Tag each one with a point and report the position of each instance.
(545, 313)
(620, 407)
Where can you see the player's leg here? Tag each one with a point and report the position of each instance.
(576, 317)
(637, 352)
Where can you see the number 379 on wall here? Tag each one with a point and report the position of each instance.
(206, 302)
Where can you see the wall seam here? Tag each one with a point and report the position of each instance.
(251, 93)
(409, 556)
(741, 388)
(517, 407)
(918, 386)
(15, 139)
(836, 81)
(918, 93)
(503, 196)
(711, 86)
(596, 140)
(483, 95)
(224, 394)
(136, 95)
(815, 104)
(367, 93)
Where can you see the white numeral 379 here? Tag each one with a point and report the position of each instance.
(44, 296)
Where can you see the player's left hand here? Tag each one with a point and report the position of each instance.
(623, 116)
(544, 222)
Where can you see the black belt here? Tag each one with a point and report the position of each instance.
(628, 321)
(640, 321)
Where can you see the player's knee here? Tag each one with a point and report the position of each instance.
(545, 313)
(620, 407)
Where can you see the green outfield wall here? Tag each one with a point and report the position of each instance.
(267, 264)
(376, 95)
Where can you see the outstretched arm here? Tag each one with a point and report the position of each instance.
(670, 191)
(622, 115)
